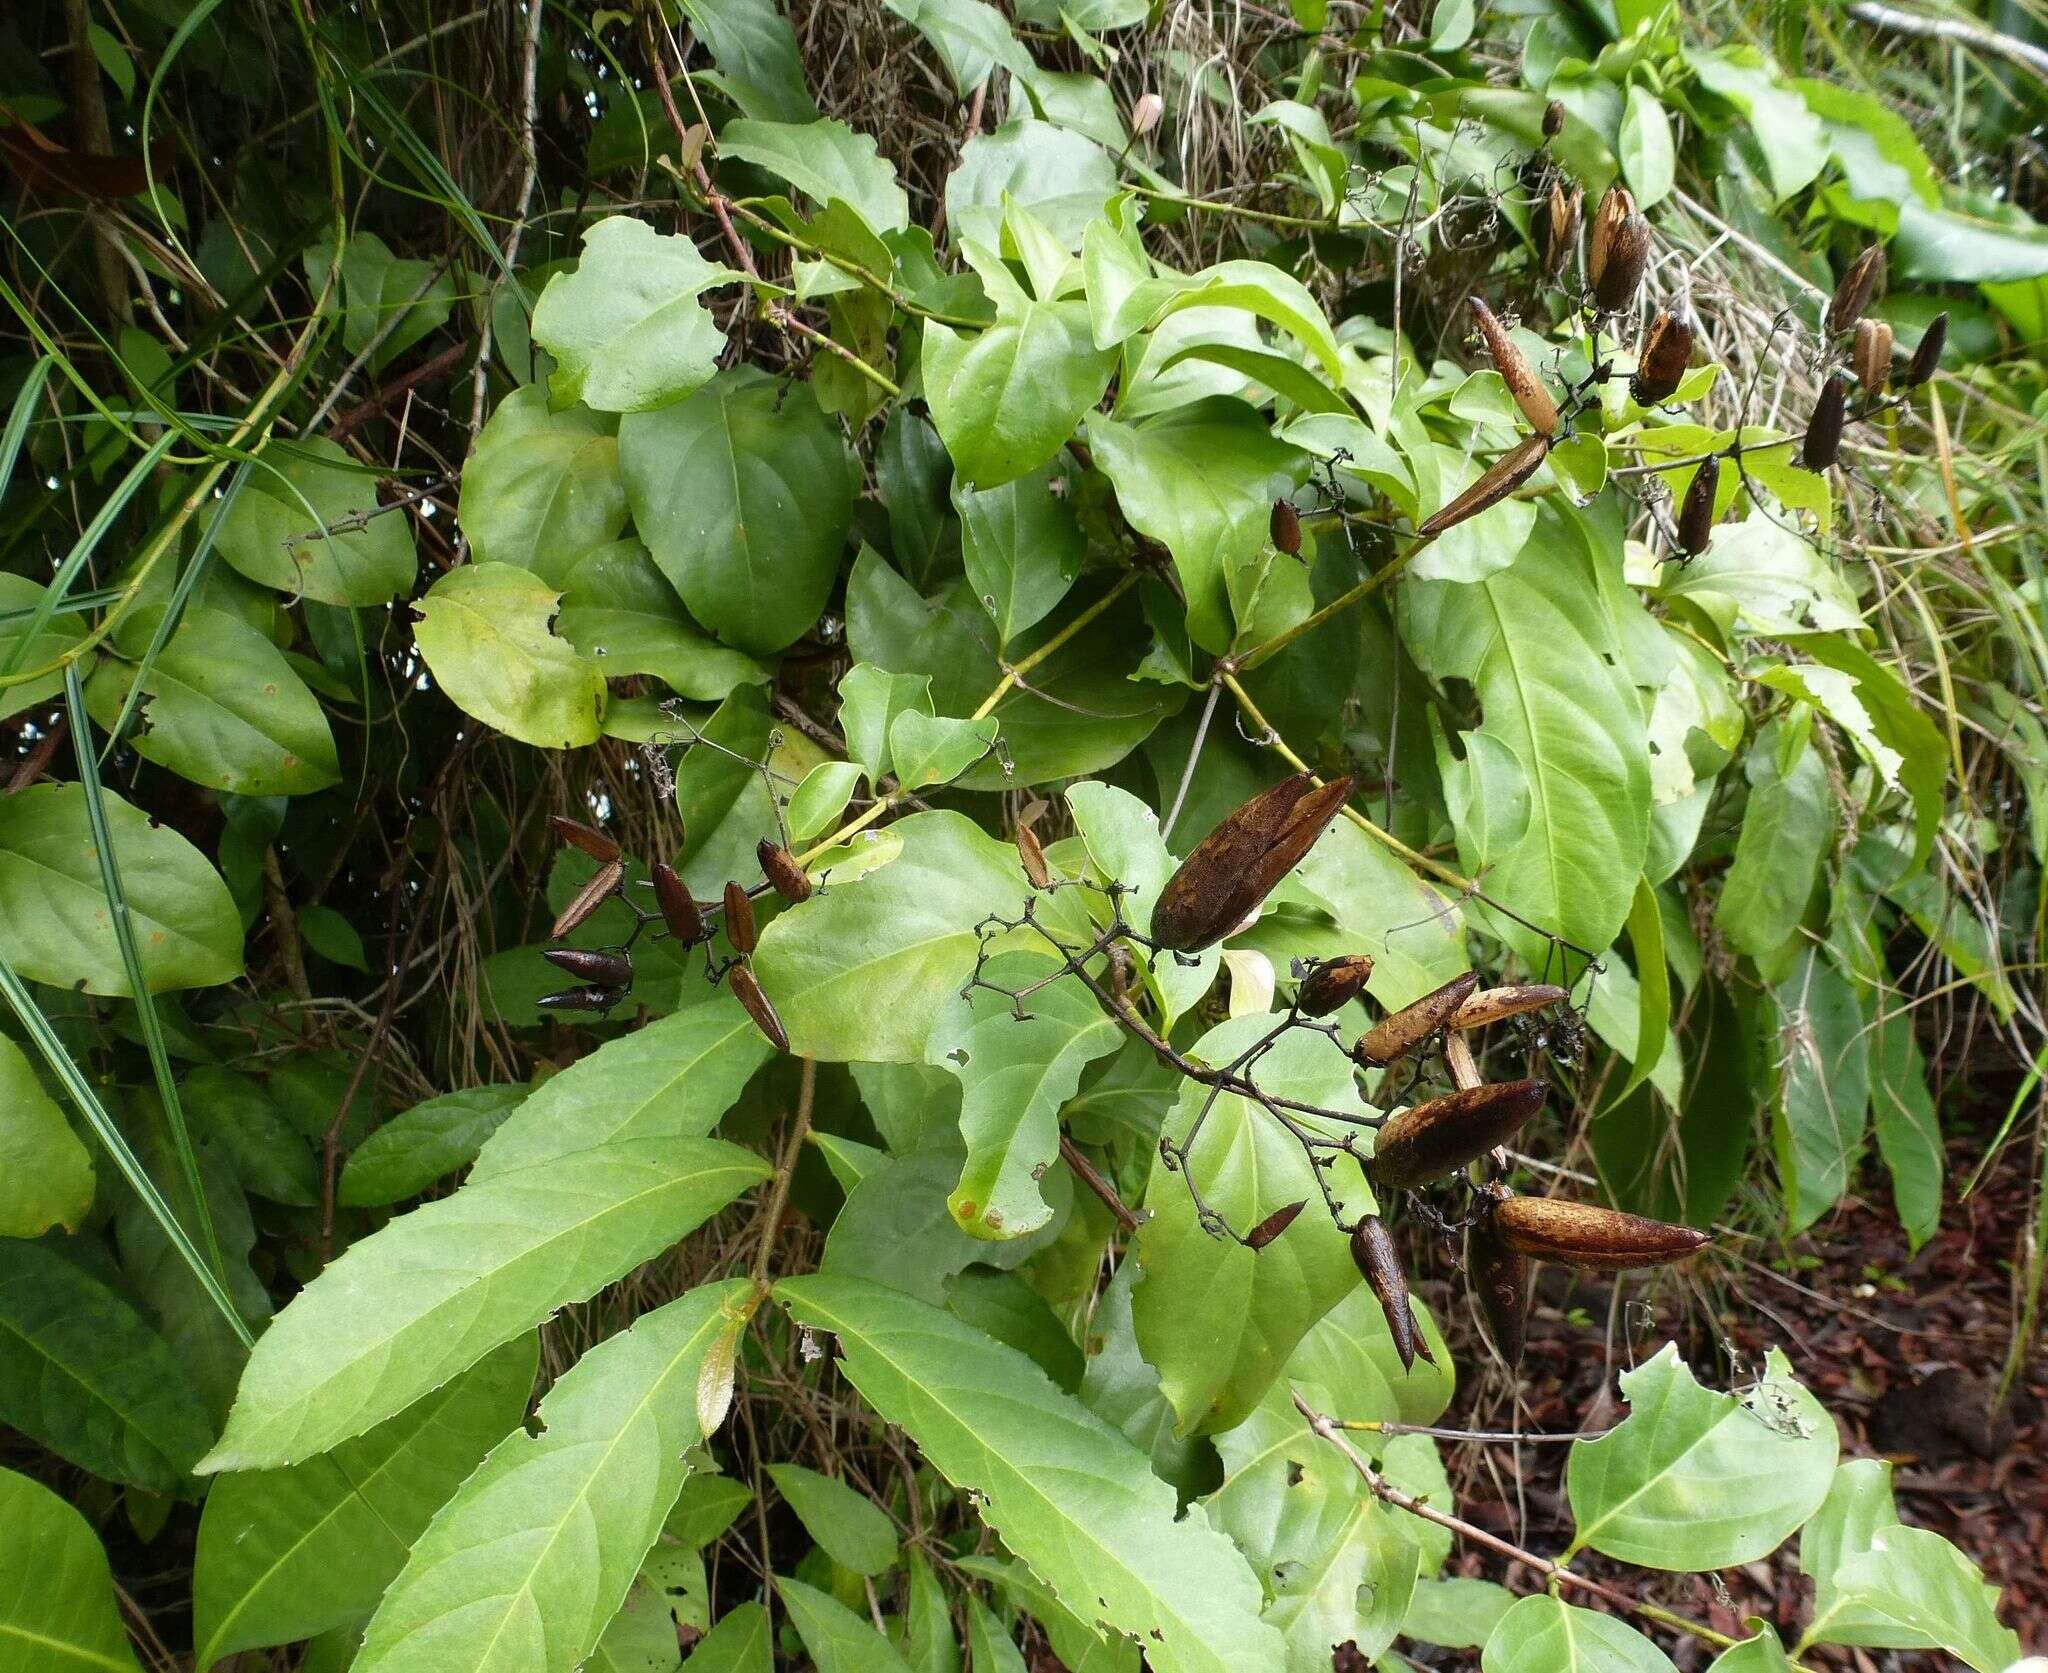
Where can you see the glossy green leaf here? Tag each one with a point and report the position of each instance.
(756, 53)
(1007, 399)
(1762, 578)
(854, 1533)
(272, 532)
(620, 611)
(1543, 1635)
(824, 160)
(838, 1640)
(542, 489)
(1913, 1587)
(1763, 1653)
(1125, 846)
(18, 592)
(1824, 1084)
(1458, 1614)
(1786, 829)
(271, 1158)
(425, 1143)
(1022, 548)
(741, 1642)
(57, 1610)
(486, 631)
(46, 1176)
(1061, 177)
(1648, 156)
(1354, 1591)
(927, 750)
(818, 803)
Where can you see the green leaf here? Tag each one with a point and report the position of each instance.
(57, 1611)
(824, 160)
(425, 1143)
(387, 300)
(288, 1554)
(1912, 1587)
(627, 327)
(1789, 136)
(1007, 399)
(1061, 1488)
(333, 937)
(1542, 1635)
(1785, 834)
(989, 1642)
(970, 38)
(742, 494)
(1653, 985)
(542, 489)
(46, 1176)
(1014, 1075)
(926, 750)
(485, 631)
(1458, 1614)
(82, 1373)
(619, 610)
(817, 804)
(55, 924)
(1908, 1126)
(854, 1533)
(838, 1640)
(1005, 1306)
(1696, 1479)
(1759, 577)
(303, 487)
(1022, 547)
(1823, 1094)
(223, 708)
(1764, 1653)
(1648, 156)
(756, 53)
(1060, 177)
(741, 1643)
(19, 593)
(271, 1158)
(1125, 846)
(929, 1644)
(1354, 1591)
(534, 1554)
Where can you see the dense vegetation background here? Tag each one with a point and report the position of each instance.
(904, 472)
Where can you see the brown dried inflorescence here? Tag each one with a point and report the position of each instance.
(1591, 1239)
(748, 992)
(1430, 1141)
(606, 969)
(1667, 353)
(1238, 864)
(582, 999)
(1379, 1263)
(1273, 1225)
(1398, 1033)
(589, 898)
(594, 843)
(1926, 359)
(1871, 356)
(679, 910)
(779, 866)
(1857, 288)
(1619, 252)
(1561, 227)
(740, 927)
(1285, 528)
(1491, 1005)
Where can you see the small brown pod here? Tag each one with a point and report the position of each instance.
(1285, 528)
(1591, 1239)
(679, 911)
(1491, 1005)
(1273, 1225)
(1428, 1141)
(1858, 286)
(1379, 1264)
(1501, 478)
(589, 898)
(1870, 355)
(1333, 984)
(607, 970)
(758, 1006)
(1667, 352)
(1398, 1033)
(1516, 372)
(1499, 1280)
(1239, 863)
(1616, 206)
(779, 866)
(1561, 227)
(1553, 119)
(1823, 445)
(1926, 359)
(1628, 256)
(582, 999)
(740, 928)
(594, 843)
(1696, 511)
(1032, 853)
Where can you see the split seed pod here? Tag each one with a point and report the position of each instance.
(1628, 254)
(740, 928)
(1395, 1035)
(589, 898)
(1238, 864)
(1032, 852)
(1561, 228)
(1273, 1225)
(779, 866)
(609, 970)
(582, 999)
(1516, 372)
(594, 843)
(1926, 359)
(1592, 1239)
(1853, 294)
(1696, 514)
(1667, 352)
(1499, 1279)
(1285, 528)
(1429, 1141)
(1871, 356)
(1379, 1264)
(1553, 119)
(748, 992)
(1330, 987)
(1615, 207)
(1491, 1005)
(1824, 429)
(1502, 478)
(678, 909)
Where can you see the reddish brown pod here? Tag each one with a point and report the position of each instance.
(594, 843)
(1591, 1239)
(1667, 353)
(1284, 527)
(1562, 218)
(1332, 985)
(685, 919)
(740, 927)
(1553, 119)
(779, 866)
(582, 999)
(1431, 1141)
(609, 970)
(589, 898)
(1870, 355)
(1491, 1005)
(1398, 1033)
(1031, 852)
(1273, 1225)
(1926, 359)
(1516, 372)
(1696, 511)
(1238, 864)
(748, 992)
(1379, 1264)
(1823, 445)
(1619, 251)
(1502, 478)
(1858, 288)
(1499, 1280)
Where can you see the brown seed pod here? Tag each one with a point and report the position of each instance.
(1428, 1141)
(1032, 852)
(1400, 1032)
(1491, 1005)
(1862, 282)
(589, 898)
(1926, 359)
(1628, 254)
(1615, 208)
(594, 843)
(748, 992)
(1667, 352)
(740, 928)
(1561, 227)
(1871, 356)
(1696, 512)
(1273, 1225)
(1824, 429)
(678, 910)
(1334, 984)
(1592, 1239)
(1516, 372)
(609, 970)
(1502, 478)
(1285, 528)
(1553, 119)
(1238, 864)
(582, 999)
(1499, 1279)
(1379, 1264)
(779, 866)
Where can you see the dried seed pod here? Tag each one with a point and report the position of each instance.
(1926, 359)
(1592, 1239)
(1561, 227)
(748, 992)
(1237, 865)
(1284, 527)
(1499, 1279)
(1334, 984)
(1854, 293)
(589, 898)
(1400, 1032)
(594, 843)
(1871, 356)
(1667, 352)
(678, 909)
(1553, 119)
(1032, 852)
(1696, 511)
(1490, 1005)
(1824, 429)
(740, 928)
(1502, 478)
(1425, 1142)
(779, 866)
(1516, 372)
(1379, 1264)
(1628, 254)
(608, 970)
(1273, 1225)
(1615, 208)
(582, 999)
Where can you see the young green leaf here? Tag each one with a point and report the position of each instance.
(855, 1533)
(56, 1594)
(486, 631)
